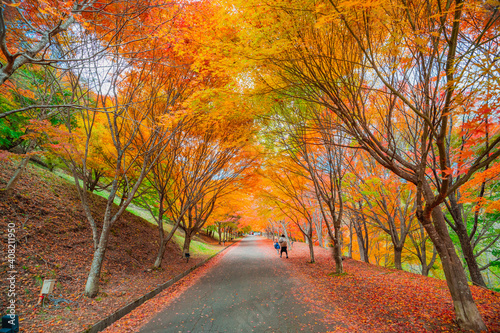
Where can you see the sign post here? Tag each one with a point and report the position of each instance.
(47, 288)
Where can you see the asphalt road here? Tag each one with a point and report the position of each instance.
(249, 290)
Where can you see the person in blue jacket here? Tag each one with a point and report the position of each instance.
(277, 247)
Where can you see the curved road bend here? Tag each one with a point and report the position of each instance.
(249, 290)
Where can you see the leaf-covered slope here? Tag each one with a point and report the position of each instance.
(54, 240)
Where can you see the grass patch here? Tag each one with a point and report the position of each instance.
(179, 240)
(134, 209)
(337, 275)
(203, 248)
(196, 247)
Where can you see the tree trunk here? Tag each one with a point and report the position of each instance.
(427, 268)
(308, 239)
(337, 251)
(93, 179)
(220, 235)
(363, 256)
(361, 249)
(159, 256)
(161, 235)
(318, 224)
(350, 240)
(320, 238)
(461, 230)
(286, 234)
(470, 259)
(8, 190)
(162, 238)
(187, 243)
(163, 245)
(468, 316)
(397, 257)
(311, 249)
(362, 243)
(92, 285)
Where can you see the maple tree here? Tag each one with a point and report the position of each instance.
(290, 193)
(384, 201)
(163, 196)
(160, 191)
(315, 144)
(478, 206)
(472, 126)
(132, 163)
(32, 86)
(212, 163)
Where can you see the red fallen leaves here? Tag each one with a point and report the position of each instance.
(144, 313)
(370, 298)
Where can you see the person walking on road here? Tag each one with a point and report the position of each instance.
(277, 247)
(283, 245)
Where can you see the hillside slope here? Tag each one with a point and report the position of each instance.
(54, 241)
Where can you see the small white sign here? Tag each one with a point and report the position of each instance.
(48, 286)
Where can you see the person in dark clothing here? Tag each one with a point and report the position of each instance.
(284, 245)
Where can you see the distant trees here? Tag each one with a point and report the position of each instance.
(211, 165)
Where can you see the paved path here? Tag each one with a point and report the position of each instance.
(249, 290)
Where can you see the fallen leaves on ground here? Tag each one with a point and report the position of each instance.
(370, 298)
